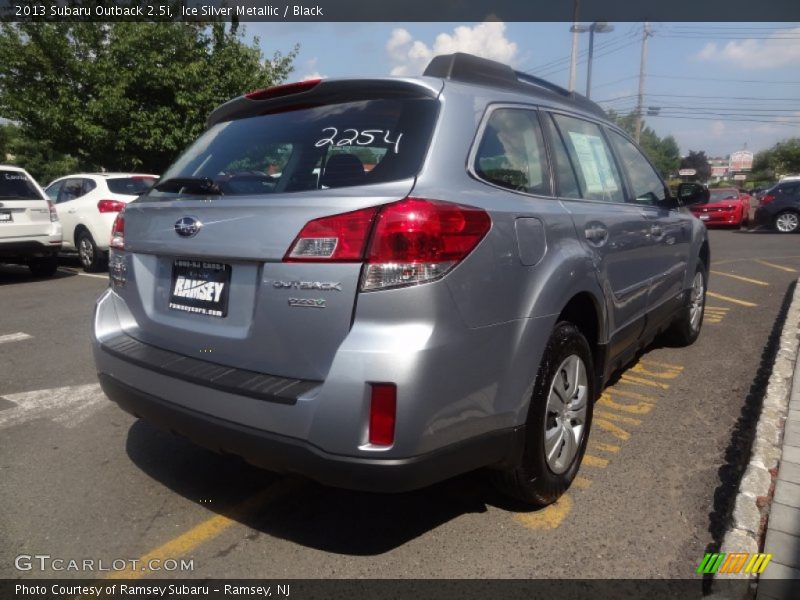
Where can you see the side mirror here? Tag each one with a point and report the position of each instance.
(693, 193)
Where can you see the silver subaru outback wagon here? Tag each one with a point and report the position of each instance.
(382, 283)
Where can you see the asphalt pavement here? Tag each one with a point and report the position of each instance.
(84, 480)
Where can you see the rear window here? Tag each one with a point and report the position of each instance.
(339, 145)
(17, 186)
(132, 186)
(717, 195)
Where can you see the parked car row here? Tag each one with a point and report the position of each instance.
(73, 214)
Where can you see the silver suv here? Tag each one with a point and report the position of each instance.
(382, 283)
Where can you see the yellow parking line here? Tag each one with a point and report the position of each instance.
(740, 278)
(605, 447)
(595, 461)
(617, 432)
(634, 395)
(664, 374)
(662, 364)
(582, 483)
(618, 418)
(207, 530)
(729, 299)
(639, 408)
(774, 266)
(549, 517)
(641, 381)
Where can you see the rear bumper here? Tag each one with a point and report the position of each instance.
(284, 454)
(20, 249)
(721, 219)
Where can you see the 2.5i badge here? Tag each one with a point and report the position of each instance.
(200, 287)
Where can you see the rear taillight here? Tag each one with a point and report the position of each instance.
(340, 238)
(382, 414)
(118, 233)
(110, 206)
(53, 213)
(412, 241)
(767, 199)
(417, 240)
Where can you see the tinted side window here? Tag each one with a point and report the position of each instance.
(72, 189)
(564, 170)
(52, 191)
(594, 164)
(88, 186)
(647, 187)
(511, 152)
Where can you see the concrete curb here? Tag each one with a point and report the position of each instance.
(752, 504)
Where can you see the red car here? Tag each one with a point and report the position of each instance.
(727, 207)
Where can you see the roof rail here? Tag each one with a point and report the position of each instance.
(474, 69)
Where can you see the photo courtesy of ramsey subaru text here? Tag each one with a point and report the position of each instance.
(382, 283)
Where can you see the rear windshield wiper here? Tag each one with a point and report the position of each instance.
(189, 185)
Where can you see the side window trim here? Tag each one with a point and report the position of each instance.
(478, 139)
(553, 127)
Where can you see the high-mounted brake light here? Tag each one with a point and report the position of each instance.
(767, 199)
(118, 232)
(413, 241)
(340, 238)
(382, 414)
(282, 90)
(110, 206)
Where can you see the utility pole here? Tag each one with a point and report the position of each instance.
(645, 34)
(573, 67)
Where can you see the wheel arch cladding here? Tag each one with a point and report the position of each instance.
(79, 228)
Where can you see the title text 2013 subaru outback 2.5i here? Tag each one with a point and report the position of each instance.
(382, 283)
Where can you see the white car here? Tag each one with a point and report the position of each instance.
(87, 204)
(30, 233)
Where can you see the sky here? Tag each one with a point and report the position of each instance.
(720, 87)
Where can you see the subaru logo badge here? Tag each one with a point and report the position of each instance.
(187, 226)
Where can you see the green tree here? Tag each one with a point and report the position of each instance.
(699, 162)
(782, 159)
(663, 153)
(125, 96)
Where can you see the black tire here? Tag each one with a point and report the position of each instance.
(791, 220)
(683, 331)
(533, 481)
(92, 259)
(45, 266)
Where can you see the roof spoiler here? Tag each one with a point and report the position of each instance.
(469, 68)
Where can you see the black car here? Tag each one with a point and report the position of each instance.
(779, 207)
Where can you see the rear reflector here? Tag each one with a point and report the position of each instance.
(118, 233)
(282, 90)
(767, 199)
(382, 414)
(110, 206)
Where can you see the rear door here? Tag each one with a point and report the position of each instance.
(613, 231)
(669, 229)
(67, 207)
(23, 209)
(206, 250)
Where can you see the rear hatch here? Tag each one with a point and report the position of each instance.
(24, 212)
(207, 251)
